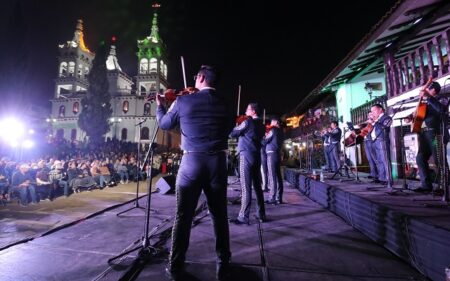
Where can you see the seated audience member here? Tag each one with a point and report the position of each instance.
(59, 178)
(105, 175)
(4, 181)
(43, 183)
(23, 183)
(79, 178)
(122, 170)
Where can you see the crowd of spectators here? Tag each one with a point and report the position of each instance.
(75, 169)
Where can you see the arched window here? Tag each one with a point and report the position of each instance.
(153, 65)
(147, 109)
(143, 66)
(80, 71)
(73, 134)
(124, 134)
(60, 134)
(76, 108)
(63, 69)
(71, 69)
(143, 91)
(145, 132)
(62, 111)
(125, 106)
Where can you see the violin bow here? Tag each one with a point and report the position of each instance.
(184, 72)
(239, 100)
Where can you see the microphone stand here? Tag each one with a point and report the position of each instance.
(146, 250)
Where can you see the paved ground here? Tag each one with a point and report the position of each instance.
(21, 223)
(301, 241)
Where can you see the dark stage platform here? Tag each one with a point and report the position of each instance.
(413, 226)
(301, 241)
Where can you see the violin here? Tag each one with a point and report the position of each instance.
(367, 129)
(171, 94)
(242, 118)
(268, 128)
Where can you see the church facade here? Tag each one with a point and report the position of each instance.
(132, 100)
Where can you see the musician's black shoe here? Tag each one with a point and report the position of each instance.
(422, 190)
(369, 177)
(438, 192)
(174, 275)
(274, 202)
(375, 181)
(261, 219)
(239, 222)
(223, 271)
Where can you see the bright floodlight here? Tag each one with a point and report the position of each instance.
(31, 131)
(11, 129)
(13, 143)
(27, 144)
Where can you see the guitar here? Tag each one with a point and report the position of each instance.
(421, 111)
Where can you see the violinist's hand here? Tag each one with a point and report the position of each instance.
(424, 93)
(159, 99)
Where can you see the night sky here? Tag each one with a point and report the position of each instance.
(276, 51)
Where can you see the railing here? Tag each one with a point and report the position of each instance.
(414, 68)
(359, 114)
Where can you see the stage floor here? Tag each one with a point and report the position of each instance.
(301, 241)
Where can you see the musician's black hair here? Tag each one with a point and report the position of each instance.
(255, 107)
(379, 106)
(210, 73)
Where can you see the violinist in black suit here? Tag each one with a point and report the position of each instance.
(380, 142)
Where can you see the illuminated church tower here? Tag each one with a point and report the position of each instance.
(75, 61)
(71, 84)
(152, 67)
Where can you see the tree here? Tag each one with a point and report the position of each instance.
(94, 117)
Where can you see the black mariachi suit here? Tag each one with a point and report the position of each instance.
(380, 141)
(205, 122)
(428, 142)
(250, 133)
(273, 142)
(334, 148)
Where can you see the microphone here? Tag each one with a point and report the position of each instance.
(140, 123)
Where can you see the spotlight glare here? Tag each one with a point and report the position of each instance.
(31, 131)
(27, 144)
(11, 129)
(13, 143)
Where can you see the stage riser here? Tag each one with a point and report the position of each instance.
(424, 246)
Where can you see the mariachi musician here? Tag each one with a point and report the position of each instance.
(334, 135)
(250, 132)
(369, 149)
(273, 141)
(429, 130)
(326, 146)
(380, 139)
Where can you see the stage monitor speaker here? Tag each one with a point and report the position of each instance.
(166, 184)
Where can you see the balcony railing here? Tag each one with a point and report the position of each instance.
(414, 68)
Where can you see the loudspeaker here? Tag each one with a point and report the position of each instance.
(166, 184)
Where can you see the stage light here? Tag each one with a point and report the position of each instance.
(11, 129)
(30, 131)
(14, 143)
(27, 144)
